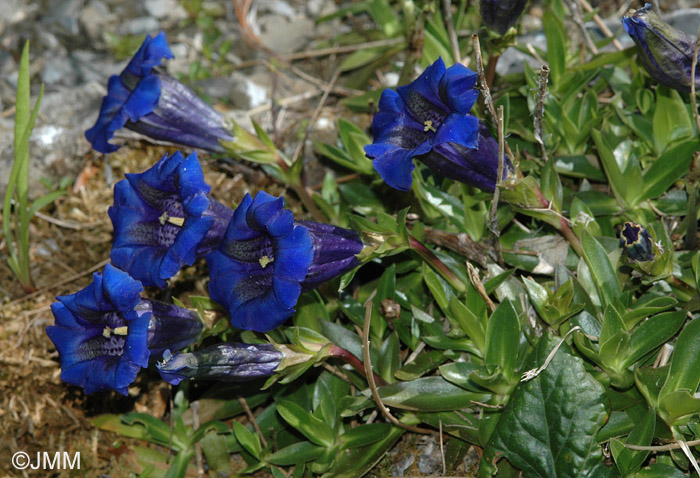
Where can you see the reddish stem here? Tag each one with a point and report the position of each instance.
(343, 354)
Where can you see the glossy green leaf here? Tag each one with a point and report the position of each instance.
(428, 394)
(248, 439)
(668, 168)
(651, 334)
(548, 428)
(671, 121)
(311, 427)
(503, 338)
(295, 453)
(365, 435)
(628, 461)
(602, 271)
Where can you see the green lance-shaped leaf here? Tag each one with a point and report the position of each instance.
(651, 334)
(548, 429)
(676, 398)
(602, 271)
(502, 339)
(627, 460)
(428, 394)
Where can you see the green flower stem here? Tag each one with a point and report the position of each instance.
(341, 353)
(437, 264)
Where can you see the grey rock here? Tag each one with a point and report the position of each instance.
(242, 91)
(95, 17)
(429, 456)
(14, 11)
(57, 142)
(286, 35)
(58, 70)
(165, 9)
(139, 26)
(64, 15)
(91, 66)
(404, 463)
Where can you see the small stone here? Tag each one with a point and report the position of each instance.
(58, 70)
(139, 26)
(94, 18)
(165, 9)
(242, 91)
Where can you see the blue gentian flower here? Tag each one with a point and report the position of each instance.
(665, 52)
(164, 218)
(226, 362)
(105, 333)
(500, 15)
(430, 115)
(148, 101)
(267, 259)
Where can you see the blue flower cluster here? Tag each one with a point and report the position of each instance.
(259, 256)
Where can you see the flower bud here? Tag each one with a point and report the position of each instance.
(665, 52)
(500, 15)
(228, 362)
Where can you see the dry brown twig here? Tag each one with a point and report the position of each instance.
(479, 286)
(539, 110)
(599, 21)
(252, 420)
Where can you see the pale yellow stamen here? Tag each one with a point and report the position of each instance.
(177, 221)
(108, 331)
(429, 126)
(264, 261)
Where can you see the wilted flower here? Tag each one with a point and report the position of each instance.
(665, 52)
(429, 120)
(228, 362)
(267, 259)
(105, 333)
(150, 102)
(500, 15)
(636, 242)
(164, 218)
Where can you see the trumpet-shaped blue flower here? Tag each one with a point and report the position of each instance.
(164, 218)
(500, 15)
(105, 333)
(267, 259)
(430, 115)
(148, 101)
(665, 52)
(226, 362)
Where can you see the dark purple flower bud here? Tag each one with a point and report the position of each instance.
(665, 52)
(267, 259)
(500, 15)
(105, 333)
(148, 101)
(636, 242)
(227, 362)
(164, 218)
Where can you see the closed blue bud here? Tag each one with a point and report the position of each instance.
(164, 219)
(429, 120)
(267, 259)
(105, 333)
(146, 100)
(225, 362)
(500, 15)
(636, 242)
(665, 52)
